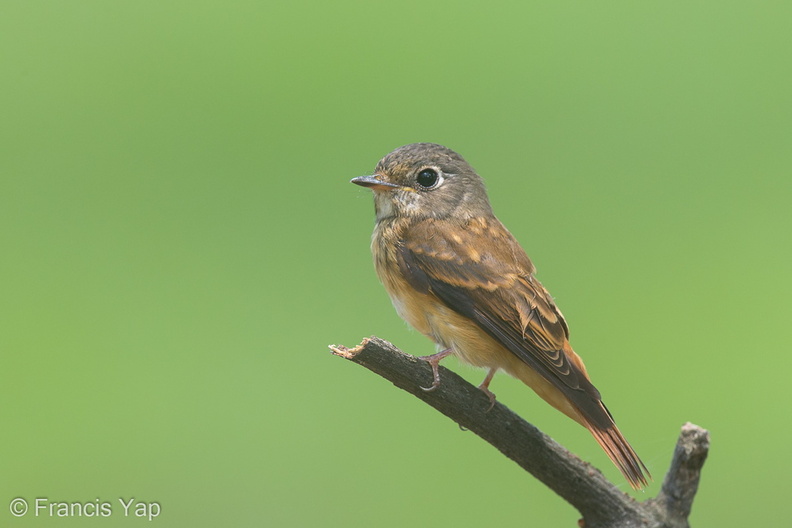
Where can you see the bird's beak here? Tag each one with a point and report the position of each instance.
(374, 183)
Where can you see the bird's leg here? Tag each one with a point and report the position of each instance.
(484, 387)
(434, 361)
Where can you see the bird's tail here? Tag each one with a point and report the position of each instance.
(621, 453)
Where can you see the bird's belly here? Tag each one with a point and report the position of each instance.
(449, 329)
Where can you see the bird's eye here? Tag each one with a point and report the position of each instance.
(428, 178)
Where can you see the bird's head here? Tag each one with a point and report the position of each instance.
(425, 180)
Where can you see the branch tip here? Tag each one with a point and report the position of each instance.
(346, 352)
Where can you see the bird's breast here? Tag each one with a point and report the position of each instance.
(411, 305)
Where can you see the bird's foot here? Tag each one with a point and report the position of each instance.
(434, 362)
(484, 387)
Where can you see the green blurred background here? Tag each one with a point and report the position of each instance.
(180, 244)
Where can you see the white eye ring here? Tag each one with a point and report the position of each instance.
(429, 178)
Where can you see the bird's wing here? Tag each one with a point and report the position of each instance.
(480, 271)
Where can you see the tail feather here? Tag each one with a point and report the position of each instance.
(622, 454)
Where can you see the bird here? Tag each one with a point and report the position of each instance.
(457, 275)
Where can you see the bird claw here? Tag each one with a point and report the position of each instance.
(434, 362)
(484, 387)
(489, 394)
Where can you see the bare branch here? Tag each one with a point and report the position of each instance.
(600, 503)
(681, 481)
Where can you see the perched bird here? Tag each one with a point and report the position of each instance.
(457, 275)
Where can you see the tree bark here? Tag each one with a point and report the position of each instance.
(601, 504)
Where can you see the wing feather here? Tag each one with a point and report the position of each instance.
(479, 270)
